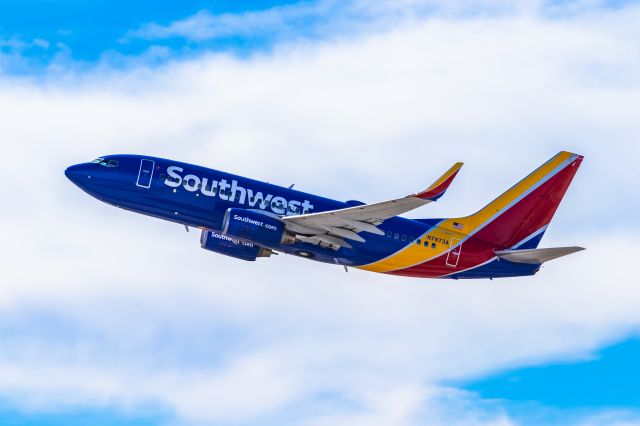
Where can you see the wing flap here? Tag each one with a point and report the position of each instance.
(333, 227)
(326, 239)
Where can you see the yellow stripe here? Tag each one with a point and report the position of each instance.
(414, 254)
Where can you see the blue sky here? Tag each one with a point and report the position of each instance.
(551, 393)
(607, 380)
(79, 417)
(126, 321)
(78, 34)
(85, 31)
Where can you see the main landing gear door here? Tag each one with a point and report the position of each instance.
(146, 173)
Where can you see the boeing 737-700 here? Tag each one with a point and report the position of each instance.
(248, 219)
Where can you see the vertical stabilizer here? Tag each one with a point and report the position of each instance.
(518, 218)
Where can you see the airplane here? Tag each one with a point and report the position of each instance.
(249, 219)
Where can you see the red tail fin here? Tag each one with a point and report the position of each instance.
(523, 212)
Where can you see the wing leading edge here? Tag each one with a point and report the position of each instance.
(331, 228)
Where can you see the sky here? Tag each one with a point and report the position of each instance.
(107, 317)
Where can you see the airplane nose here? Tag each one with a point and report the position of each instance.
(75, 174)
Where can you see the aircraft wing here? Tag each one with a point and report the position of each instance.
(331, 228)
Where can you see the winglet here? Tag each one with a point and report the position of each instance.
(440, 186)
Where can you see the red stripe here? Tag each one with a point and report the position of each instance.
(521, 220)
(530, 214)
(438, 190)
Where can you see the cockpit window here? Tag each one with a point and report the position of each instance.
(105, 163)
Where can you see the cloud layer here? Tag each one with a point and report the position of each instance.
(100, 307)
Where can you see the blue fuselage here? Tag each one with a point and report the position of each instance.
(199, 197)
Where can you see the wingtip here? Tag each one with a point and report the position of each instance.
(439, 187)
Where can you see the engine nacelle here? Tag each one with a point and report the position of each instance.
(210, 240)
(257, 227)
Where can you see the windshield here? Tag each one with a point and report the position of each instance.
(105, 163)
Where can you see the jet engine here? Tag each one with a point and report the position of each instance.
(257, 227)
(210, 240)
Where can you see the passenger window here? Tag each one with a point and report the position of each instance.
(162, 176)
(389, 234)
(396, 236)
(426, 243)
(404, 238)
(112, 163)
(433, 245)
(418, 242)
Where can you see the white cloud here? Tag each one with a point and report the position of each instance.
(330, 19)
(102, 307)
(612, 418)
(318, 18)
(204, 25)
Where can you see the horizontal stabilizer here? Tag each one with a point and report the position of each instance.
(536, 256)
